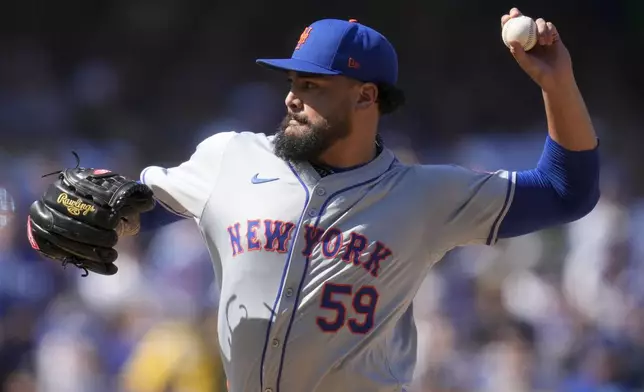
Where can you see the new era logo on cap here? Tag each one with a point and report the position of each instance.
(339, 47)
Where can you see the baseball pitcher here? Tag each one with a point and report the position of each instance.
(319, 237)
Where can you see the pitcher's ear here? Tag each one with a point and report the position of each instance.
(368, 96)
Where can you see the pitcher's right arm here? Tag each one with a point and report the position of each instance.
(182, 191)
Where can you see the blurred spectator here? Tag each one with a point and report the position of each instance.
(172, 356)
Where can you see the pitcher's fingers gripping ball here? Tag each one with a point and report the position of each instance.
(521, 29)
(78, 219)
(527, 32)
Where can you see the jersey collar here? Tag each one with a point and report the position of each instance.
(377, 167)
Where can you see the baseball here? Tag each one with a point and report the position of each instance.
(521, 29)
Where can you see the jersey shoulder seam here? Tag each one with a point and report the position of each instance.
(216, 179)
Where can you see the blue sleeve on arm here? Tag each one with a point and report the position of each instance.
(562, 188)
(158, 217)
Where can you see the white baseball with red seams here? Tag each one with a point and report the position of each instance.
(521, 29)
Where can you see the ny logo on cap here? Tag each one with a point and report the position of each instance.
(303, 37)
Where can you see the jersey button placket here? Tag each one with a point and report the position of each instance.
(287, 306)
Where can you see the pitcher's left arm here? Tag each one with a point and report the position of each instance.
(565, 184)
(562, 188)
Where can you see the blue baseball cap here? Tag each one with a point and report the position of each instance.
(339, 47)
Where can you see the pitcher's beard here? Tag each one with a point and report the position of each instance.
(304, 141)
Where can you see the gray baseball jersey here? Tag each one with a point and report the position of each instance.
(317, 275)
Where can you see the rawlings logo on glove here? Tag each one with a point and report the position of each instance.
(79, 218)
(75, 207)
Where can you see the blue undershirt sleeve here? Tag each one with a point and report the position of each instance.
(564, 187)
(158, 217)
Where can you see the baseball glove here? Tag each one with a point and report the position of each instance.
(79, 218)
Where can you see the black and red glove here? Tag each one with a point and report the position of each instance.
(79, 218)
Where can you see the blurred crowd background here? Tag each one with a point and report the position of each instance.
(129, 83)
